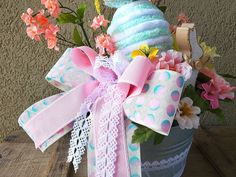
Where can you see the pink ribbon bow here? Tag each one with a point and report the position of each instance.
(102, 95)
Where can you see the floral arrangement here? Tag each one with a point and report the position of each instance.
(142, 77)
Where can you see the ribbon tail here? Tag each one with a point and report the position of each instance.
(110, 144)
(134, 151)
(81, 129)
(78, 141)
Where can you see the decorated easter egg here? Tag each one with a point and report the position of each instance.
(137, 23)
(117, 3)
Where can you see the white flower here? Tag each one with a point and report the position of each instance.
(187, 114)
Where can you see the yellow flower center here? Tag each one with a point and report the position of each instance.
(186, 110)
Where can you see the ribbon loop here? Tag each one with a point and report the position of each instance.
(49, 121)
(84, 59)
(65, 75)
(135, 75)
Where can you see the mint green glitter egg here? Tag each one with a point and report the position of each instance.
(117, 3)
(137, 23)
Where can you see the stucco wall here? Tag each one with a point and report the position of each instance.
(24, 63)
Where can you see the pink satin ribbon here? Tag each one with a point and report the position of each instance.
(64, 110)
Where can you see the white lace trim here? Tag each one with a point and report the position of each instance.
(166, 163)
(103, 61)
(108, 132)
(81, 128)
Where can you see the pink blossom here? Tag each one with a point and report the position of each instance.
(51, 36)
(33, 32)
(39, 25)
(216, 89)
(99, 21)
(52, 6)
(27, 17)
(105, 44)
(182, 18)
(173, 60)
(42, 21)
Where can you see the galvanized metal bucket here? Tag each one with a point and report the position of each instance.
(169, 158)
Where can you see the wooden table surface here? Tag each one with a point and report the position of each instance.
(213, 154)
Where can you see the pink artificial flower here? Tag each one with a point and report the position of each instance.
(52, 6)
(216, 89)
(42, 21)
(173, 60)
(51, 36)
(27, 17)
(33, 32)
(99, 21)
(105, 44)
(182, 18)
(40, 25)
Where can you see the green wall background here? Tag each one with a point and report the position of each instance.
(24, 63)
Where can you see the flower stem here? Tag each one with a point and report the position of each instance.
(81, 24)
(85, 34)
(64, 40)
(39, 12)
(67, 45)
(67, 8)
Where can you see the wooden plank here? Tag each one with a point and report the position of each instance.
(82, 172)
(19, 157)
(212, 155)
(218, 145)
(58, 166)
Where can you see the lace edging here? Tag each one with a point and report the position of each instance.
(166, 163)
(81, 129)
(108, 130)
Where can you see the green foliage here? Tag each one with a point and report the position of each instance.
(195, 95)
(77, 38)
(158, 138)
(65, 18)
(73, 17)
(81, 11)
(219, 113)
(143, 134)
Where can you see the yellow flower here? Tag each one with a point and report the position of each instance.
(97, 6)
(209, 51)
(145, 51)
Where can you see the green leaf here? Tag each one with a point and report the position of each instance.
(195, 95)
(66, 18)
(219, 113)
(143, 134)
(226, 101)
(80, 11)
(228, 76)
(163, 8)
(77, 38)
(158, 138)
